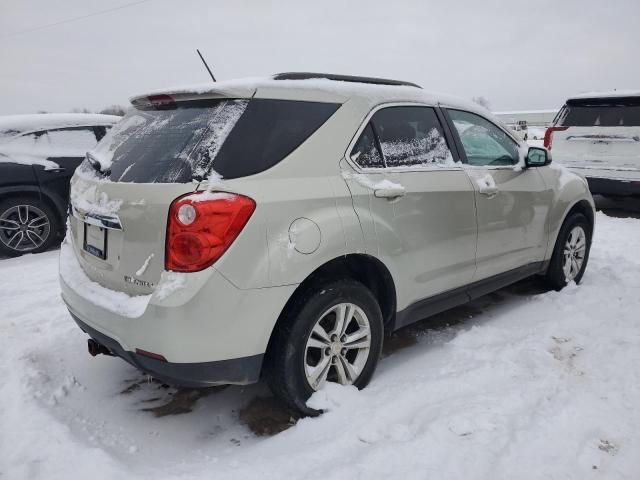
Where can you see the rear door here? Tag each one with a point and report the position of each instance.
(512, 202)
(421, 201)
(599, 136)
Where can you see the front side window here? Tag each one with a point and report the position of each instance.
(411, 136)
(482, 141)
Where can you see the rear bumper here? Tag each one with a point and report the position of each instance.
(614, 187)
(240, 371)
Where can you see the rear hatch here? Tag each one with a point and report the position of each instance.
(600, 136)
(162, 149)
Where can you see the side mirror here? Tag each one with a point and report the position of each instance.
(537, 157)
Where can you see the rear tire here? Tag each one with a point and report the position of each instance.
(27, 226)
(311, 345)
(571, 252)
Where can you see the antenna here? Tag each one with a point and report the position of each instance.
(206, 66)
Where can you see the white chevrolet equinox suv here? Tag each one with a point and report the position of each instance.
(278, 227)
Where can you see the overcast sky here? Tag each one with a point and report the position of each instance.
(517, 54)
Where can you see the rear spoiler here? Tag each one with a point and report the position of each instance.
(194, 93)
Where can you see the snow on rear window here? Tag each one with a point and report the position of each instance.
(167, 145)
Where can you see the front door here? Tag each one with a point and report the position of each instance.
(512, 202)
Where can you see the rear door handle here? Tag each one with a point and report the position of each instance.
(389, 193)
(55, 170)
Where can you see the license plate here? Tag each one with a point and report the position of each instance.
(95, 241)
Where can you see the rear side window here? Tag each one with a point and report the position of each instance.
(267, 132)
(411, 136)
(78, 140)
(235, 138)
(365, 152)
(605, 112)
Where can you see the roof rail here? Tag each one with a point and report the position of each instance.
(341, 78)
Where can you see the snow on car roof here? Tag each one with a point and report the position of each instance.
(318, 89)
(607, 94)
(15, 124)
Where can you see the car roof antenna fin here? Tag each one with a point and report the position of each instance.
(206, 66)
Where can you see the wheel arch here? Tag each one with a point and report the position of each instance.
(363, 268)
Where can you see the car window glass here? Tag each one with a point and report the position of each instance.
(483, 142)
(31, 140)
(365, 152)
(73, 140)
(411, 136)
(235, 138)
(622, 112)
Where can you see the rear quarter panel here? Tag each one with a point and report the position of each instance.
(304, 213)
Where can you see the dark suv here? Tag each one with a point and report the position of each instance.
(38, 155)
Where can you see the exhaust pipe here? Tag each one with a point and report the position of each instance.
(96, 348)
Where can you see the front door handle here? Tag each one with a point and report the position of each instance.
(390, 192)
(55, 169)
(489, 191)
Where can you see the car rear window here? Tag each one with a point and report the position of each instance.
(186, 140)
(605, 112)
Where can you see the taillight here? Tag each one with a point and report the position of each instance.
(548, 135)
(202, 226)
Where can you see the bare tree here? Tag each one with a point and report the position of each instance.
(114, 110)
(482, 101)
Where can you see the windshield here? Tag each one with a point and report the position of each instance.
(605, 112)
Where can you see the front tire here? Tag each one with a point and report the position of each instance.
(330, 334)
(571, 252)
(26, 226)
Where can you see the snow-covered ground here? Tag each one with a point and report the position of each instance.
(523, 384)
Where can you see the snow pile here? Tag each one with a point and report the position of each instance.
(116, 302)
(87, 197)
(366, 182)
(12, 125)
(144, 266)
(427, 151)
(8, 155)
(534, 385)
(485, 182)
(170, 282)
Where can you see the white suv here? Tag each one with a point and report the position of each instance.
(279, 227)
(598, 135)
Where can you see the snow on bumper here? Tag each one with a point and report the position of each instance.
(217, 322)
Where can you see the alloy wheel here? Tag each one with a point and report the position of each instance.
(338, 346)
(574, 252)
(24, 228)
